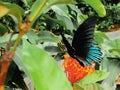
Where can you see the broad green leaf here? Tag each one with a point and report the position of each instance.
(100, 37)
(26, 2)
(3, 29)
(115, 52)
(3, 10)
(13, 10)
(4, 39)
(62, 10)
(60, 22)
(77, 87)
(40, 6)
(93, 86)
(48, 36)
(78, 13)
(115, 49)
(114, 43)
(98, 6)
(93, 77)
(112, 46)
(63, 15)
(32, 37)
(68, 22)
(112, 66)
(43, 69)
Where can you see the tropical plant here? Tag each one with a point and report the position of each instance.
(111, 57)
(22, 43)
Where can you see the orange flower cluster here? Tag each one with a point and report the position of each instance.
(74, 70)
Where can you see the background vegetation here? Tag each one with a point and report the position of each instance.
(41, 40)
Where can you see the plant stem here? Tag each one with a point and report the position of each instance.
(17, 41)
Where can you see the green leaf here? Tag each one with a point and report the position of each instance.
(63, 15)
(115, 52)
(40, 6)
(3, 29)
(13, 10)
(112, 66)
(112, 46)
(4, 39)
(77, 87)
(93, 77)
(93, 86)
(32, 37)
(115, 49)
(114, 43)
(100, 37)
(26, 2)
(62, 10)
(60, 22)
(78, 13)
(48, 36)
(68, 22)
(3, 10)
(43, 69)
(98, 6)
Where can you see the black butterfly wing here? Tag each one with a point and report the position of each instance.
(70, 49)
(83, 37)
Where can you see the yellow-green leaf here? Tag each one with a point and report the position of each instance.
(40, 6)
(93, 77)
(3, 10)
(97, 6)
(44, 71)
(13, 10)
(92, 86)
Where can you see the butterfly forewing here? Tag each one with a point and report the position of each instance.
(83, 37)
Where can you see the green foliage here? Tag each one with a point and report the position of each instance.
(112, 66)
(4, 39)
(11, 9)
(43, 70)
(89, 82)
(47, 17)
(4, 29)
(93, 78)
(112, 17)
(39, 6)
(111, 56)
(98, 6)
(112, 47)
(89, 87)
(100, 37)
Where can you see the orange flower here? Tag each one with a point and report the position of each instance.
(74, 70)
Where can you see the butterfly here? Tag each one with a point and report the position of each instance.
(83, 49)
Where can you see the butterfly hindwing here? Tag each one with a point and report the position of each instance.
(94, 54)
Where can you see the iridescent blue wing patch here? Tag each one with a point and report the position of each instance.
(94, 54)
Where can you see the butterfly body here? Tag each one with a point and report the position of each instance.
(83, 49)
